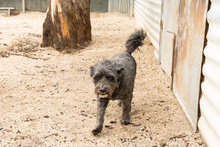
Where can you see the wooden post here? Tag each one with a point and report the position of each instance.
(23, 5)
(131, 7)
(9, 12)
(109, 5)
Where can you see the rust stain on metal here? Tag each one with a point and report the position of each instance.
(188, 55)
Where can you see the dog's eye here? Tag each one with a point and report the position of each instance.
(110, 78)
(97, 77)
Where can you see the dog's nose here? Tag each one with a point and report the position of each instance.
(102, 89)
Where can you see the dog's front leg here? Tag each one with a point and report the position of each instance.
(126, 108)
(102, 104)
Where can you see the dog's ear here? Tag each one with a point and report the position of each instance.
(92, 71)
(120, 72)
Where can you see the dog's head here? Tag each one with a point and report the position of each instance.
(106, 77)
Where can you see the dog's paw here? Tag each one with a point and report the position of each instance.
(96, 132)
(119, 103)
(125, 122)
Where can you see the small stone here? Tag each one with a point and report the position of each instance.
(112, 122)
(141, 129)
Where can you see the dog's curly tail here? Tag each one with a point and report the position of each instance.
(134, 41)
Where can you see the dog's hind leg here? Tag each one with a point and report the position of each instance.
(126, 108)
(102, 104)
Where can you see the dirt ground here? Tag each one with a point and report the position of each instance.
(47, 97)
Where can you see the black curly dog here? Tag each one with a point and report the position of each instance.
(114, 80)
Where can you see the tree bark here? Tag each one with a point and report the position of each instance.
(67, 24)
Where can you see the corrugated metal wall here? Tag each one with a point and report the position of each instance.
(32, 5)
(148, 16)
(121, 6)
(36, 5)
(210, 97)
(99, 5)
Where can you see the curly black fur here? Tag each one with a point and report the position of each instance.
(114, 79)
(134, 41)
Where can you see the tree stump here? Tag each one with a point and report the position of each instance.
(67, 24)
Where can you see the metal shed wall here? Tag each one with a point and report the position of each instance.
(36, 5)
(98, 5)
(11, 3)
(148, 16)
(41, 5)
(33, 5)
(210, 96)
(121, 6)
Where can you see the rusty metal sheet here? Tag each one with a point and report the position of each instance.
(169, 21)
(188, 56)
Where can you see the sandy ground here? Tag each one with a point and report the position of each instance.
(47, 99)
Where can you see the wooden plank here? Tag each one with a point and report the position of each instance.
(6, 8)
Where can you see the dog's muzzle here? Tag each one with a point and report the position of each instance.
(103, 92)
